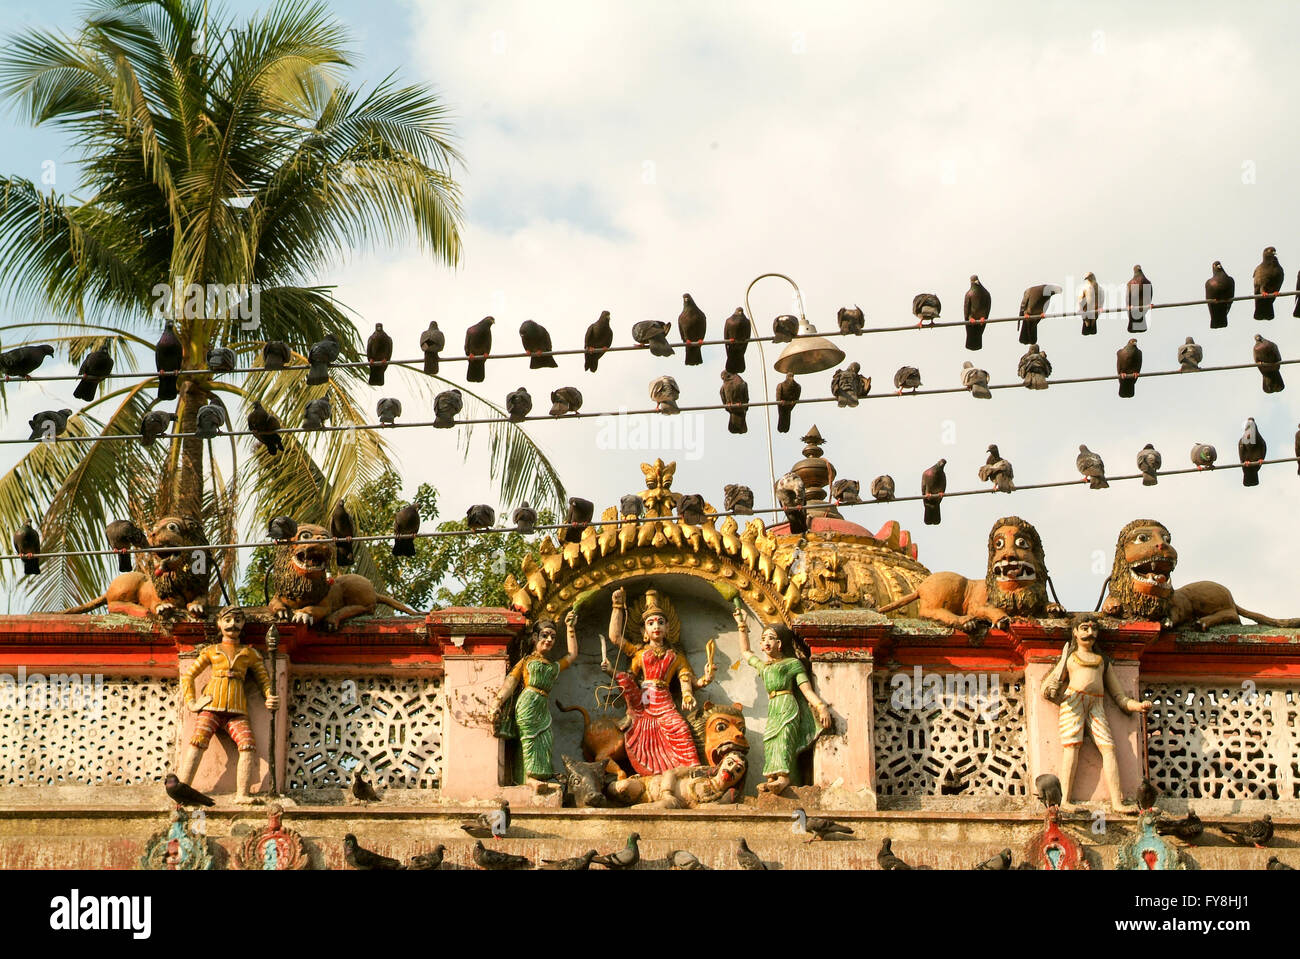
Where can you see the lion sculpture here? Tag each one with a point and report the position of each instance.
(175, 574)
(1015, 584)
(303, 591)
(1140, 585)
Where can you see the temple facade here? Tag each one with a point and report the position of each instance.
(691, 682)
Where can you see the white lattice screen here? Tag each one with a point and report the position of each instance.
(120, 733)
(1210, 741)
(950, 750)
(390, 726)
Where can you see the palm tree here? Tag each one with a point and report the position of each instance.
(213, 152)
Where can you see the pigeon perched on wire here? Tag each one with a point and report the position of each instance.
(525, 518)
(124, 536)
(579, 518)
(692, 324)
(320, 357)
(1128, 365)
(736, 331)
(265, 428)
(1203, 456)
(406, 523)
(975, 311)
(1149, 462)
(169, 357)
(432, 342)
(1093, 469)
(426, 861)
(379, 350)
(519, 403)
(536, 340)
(1251, 450)
(1190, 355)
(785, 328)
(208, 422)
(1033, 304)
(362, 791)
(22, 361)
(1269, 360)
(976, 381)
(1220, 289)
(1034, 368)
(654, 334)
(748, 859)
(154, 424)
(926, 307)
(882, 488)
(358, 857)
(388, 409)
(342, 528)
(734, 393)
(480, 516)
(1138, 300)
(567, 399)
(316, 413)
(847, 492)
(997, 470)
(1186, 829)
(907, 378)
(886, 858)
(664, 393)
(792, 497)
(624, 858)
(445, 407)
(599, 338)
(1091, 301)
(631, 505)
(27, 543)
(486, 858)
(95, 366)
(182, 794)
(738, 499)
(275, 355)
(690, 508)
(849, 386)
(934, 483)
(818, 827)
(788, 392)
(1257, 832)
(48, 424)
(999, 863)
(221, 359)
(282, 529)
(1268, 277)
(478, 346)
(575, 864)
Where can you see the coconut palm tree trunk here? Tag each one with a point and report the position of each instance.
(180, 487)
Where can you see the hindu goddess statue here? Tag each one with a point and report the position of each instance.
(656, 736)
(796, 715)
(529, 720)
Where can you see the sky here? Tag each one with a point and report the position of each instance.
(619, 155)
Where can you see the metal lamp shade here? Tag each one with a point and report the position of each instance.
(808, 353)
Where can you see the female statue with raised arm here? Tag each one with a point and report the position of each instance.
(528, 719)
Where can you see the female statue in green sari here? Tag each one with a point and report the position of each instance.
(528, 718)
(796, 715)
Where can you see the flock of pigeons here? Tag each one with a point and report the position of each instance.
(848, 387)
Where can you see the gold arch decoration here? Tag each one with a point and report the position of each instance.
(777, 576)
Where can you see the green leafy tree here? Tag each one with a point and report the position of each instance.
(214, 152)
(445, 571)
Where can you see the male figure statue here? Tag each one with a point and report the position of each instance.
(224, 704)
(1087, 677)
